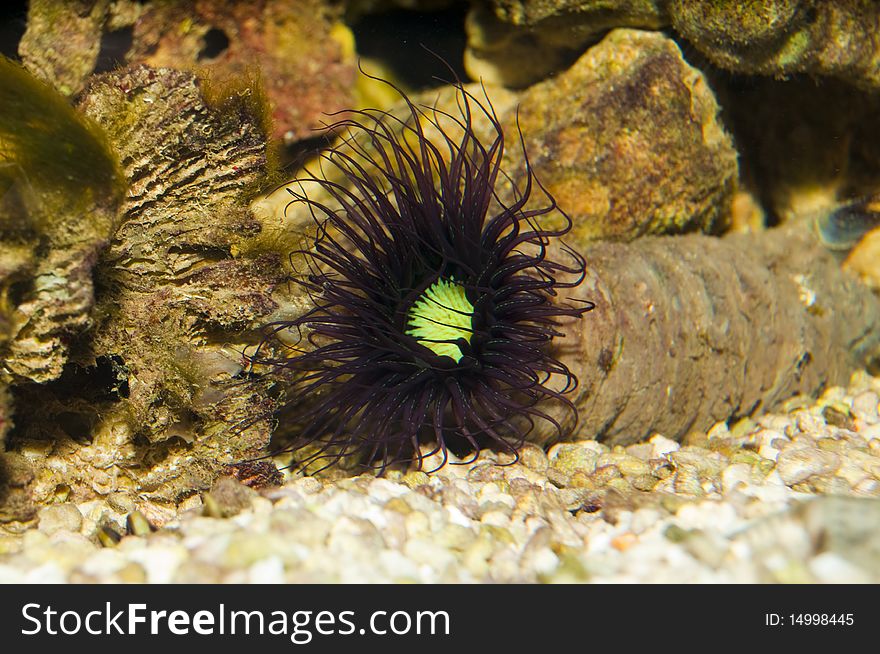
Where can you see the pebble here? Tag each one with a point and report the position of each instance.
(60, 517)
(798, 465)
(865, 407)
(747, 503)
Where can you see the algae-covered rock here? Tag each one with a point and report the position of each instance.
(517, 42)
(62, 41)
(628, 141)
(156, 401)
(60, 188)
(782, 37)
(16, 482)
(301, 49)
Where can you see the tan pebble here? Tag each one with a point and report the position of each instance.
(748, 457)
(557, 477)
(522, 485)
(765, 466)
(121, 502)
(807, 423)
(573, 457)
(499, 517)
(496, 506)
(865, 407)
(33, 540)
(641, 451)
(662, 446)
(687, 481)
(398, 505)
(485, 472)
(735, 477)
(308, 485)
(624, 541)
(831, 444)
(456, 537)
(705, 462)
(705, 548)
(867, 488)
(101, 482)
(834, 486)
(620, 484)
(476, 556)
(497, 534)
(603, 475)
(833, 395)
(569, 499)
(644, 483)
(661, 468)
(10, 544)
(211, 507)
(394, 475)
(491, 490)
(581, 479)
(851, 471)
(132, 573)
(417, 524)
(190, 503)
(798, 465)
(528, 504)
(533, 457)
(839, 416)
(416, 478)
(60, 517)
(632, 467)
(743, 428)
(775, 422)
(569, 570)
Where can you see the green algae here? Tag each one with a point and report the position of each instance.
(53, 159)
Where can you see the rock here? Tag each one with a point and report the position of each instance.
(303, 53)
(62, 41)
(16, 487)
(570, 458)
(505, 36)
(783, 37)
(776, 38)
(796, 465)
(61, 192)
(227, 498)
(628, 141)
(60, 517)
(177, 274)
(629, 121)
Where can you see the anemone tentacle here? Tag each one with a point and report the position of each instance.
(434, 300)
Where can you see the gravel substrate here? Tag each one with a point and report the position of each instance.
(788, 497)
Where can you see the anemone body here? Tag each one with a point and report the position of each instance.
(434, 301)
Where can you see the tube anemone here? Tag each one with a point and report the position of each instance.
(435, 301)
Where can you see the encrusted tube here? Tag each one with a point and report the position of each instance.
(691, 330)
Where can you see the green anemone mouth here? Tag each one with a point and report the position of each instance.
(440, 317)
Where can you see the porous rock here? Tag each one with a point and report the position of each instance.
(154, 402)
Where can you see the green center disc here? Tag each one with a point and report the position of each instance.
(441, 316)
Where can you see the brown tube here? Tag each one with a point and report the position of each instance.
(692, 330)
